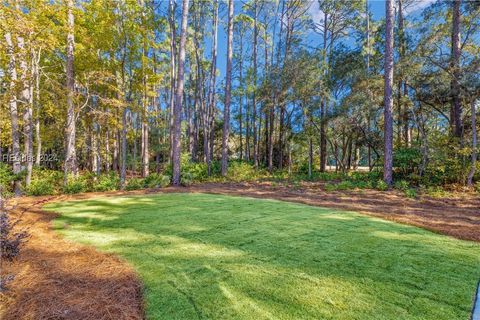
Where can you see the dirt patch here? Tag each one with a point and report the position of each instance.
(57, 279)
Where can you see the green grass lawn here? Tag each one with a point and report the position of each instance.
(220, 257)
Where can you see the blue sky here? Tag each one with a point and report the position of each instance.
(377, 9)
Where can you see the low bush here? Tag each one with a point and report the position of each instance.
(75, 185)
(40, 188)
(186, 179)
(157, 181)
(410, 193)
(134, 184)
(345, 185)
(477, 186)
(243, 171)
(381, 185)
(402, 185)
(330, 187)
(106, 182)
(6, 177)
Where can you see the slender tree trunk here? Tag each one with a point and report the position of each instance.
(173, 56)
(388, 96)
(323, 105)
(177, 114)
(254, 101)
(228, 86)
(455, 64)
(70, 154)
(240, 111)
(369, 113)
(38, 138)
(123, 158)
(12, 72)
(26, 98)
(474, 145)
(107, 148)
(209, 134)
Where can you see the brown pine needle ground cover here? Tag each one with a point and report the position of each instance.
(57, 279)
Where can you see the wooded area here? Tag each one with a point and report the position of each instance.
(135, 88)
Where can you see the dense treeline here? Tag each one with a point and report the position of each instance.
(136, 87)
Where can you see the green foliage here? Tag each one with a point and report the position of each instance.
(6, 176)
(134, 184)
(40, 188)
(406, 159)
(381, 185)
(410, 193)
(242, 171)
(477, 186)
(186, 179)
(434, 191)
(345, 185)
(76, 185)
(45, 182)
(402, 185)
(156, 180)
(106, 182)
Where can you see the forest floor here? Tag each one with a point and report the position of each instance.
(60, 279)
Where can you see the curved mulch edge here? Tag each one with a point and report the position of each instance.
(58, 279)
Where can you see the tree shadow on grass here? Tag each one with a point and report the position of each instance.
(213, 256)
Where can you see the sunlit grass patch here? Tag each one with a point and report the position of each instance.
(220, 257)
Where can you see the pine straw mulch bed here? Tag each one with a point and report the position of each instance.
(58, 279)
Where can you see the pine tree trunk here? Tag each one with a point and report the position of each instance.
(228, 86)
(70, 154)
(254, 100)
(38, 138)
(26, 98)
(177, 114)
(12, 72)
(173, 56)
(474, 145)
(123, 158)
(455, 65)
(209, 134)
(388, 96)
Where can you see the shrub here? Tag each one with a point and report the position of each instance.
(242, 171)
(476, 186)
(367, 184)
(381, 185)
(330, 187)
(345, 185)
(6, 177)
(406, 159)
(134, 184)
(75, 185)
(186, 179)
(157, 181)
(410, 193)
(40, 188)
(107, 182)
(45, 182)
(401, 185)
(435, 191)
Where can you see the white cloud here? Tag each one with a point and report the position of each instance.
(418, 5)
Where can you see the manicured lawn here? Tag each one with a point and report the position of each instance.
(220, 257)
